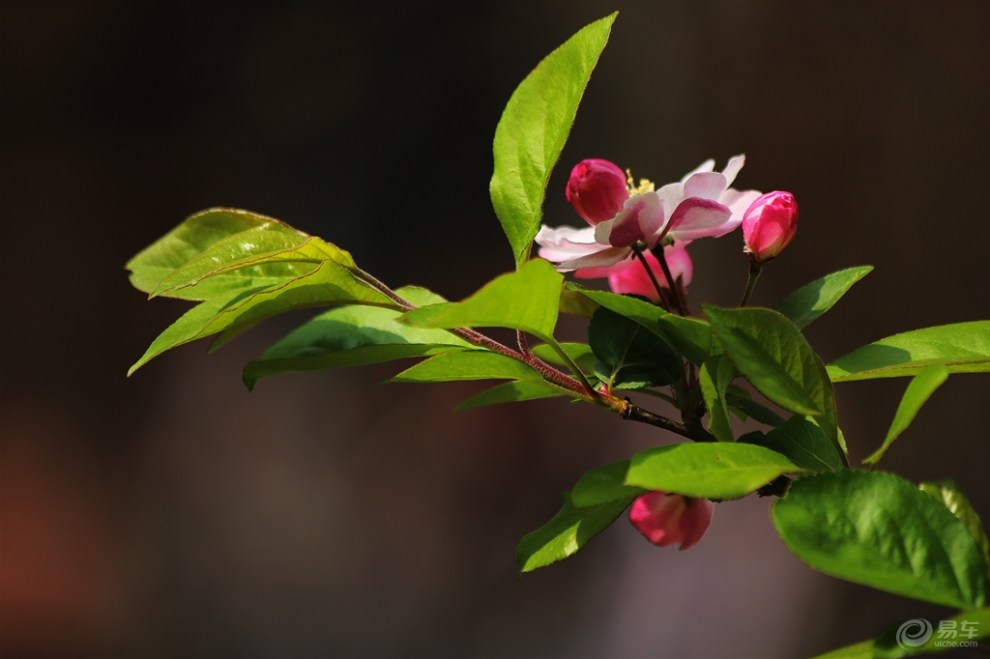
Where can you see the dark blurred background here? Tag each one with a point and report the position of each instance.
(174, 514)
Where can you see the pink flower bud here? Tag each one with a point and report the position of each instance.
(671, 519)
(633, 279)
(596, 190)
(770, 224)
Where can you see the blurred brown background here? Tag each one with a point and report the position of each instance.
(174, 514)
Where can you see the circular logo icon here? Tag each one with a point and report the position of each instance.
(914, 633)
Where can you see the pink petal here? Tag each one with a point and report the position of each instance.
(706, 166)
(565, 243)
(732, 168)
(695, 521)
(600, 259)
(739, 200)
(607, 271)
(639, 218)
(699, 218)
(708, 185)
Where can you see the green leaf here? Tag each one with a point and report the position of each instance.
(580, 354)
(879, 530)
(513, 392)
(214, 257)
(962, 347)
(769, 350)
(690, 336)
(897, 642)
(715, 375)
(565, 534)
(198, 233)
(740, 400)
(950, 496)
(269, 290)
(354, 335)
(467, 365)
(532, 131)
(713, 470)
(921, 387)
(604, 484)
(801, 440)
(629, 356)
(812, 300)
(527, 300)
(244, 250)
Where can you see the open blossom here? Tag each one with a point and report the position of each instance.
(769, 224)
(671, 519)
(596, 189)
(700, 205)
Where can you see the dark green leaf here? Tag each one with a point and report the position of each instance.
(565, 534)
(962, 347)
(812, 300)
(512, 392)
(526, 300)
(739, 399)
(769, 350)
(690, 336)
(801, 440)
(354, 335)
(630, 357)
(467, 365)
(533, 129)
(879, 530)
(921, 387)
(713, 470)
(715, 375)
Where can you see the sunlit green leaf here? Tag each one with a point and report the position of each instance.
(222, 258)
(921, 387)
(714, 470)
(580, 354)
(260, 248)
(200, 232)
(946, 493)
(565, 534)
(271, 289)
(812, 300)
(628, 355)
(354, 335)
(879, 530)
(533, 129)
(513, 392)
(604, 484)
(961, 347)
(467, 365)
(526, 300)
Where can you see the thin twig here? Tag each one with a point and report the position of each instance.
(679, 304)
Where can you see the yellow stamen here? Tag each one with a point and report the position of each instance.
(645, 185)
